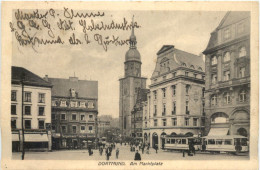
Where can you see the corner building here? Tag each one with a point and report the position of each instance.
(228, 76)
(129, 86)
(175, 102)
(74, 112)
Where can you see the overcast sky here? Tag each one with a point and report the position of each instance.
(188, 31)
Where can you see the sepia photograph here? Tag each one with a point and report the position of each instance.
(129, 87)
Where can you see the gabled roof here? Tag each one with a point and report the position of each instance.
(29, 78)
(232, 17)
(165, 48)
(84, 88)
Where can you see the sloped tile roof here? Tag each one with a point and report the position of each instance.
(84, 88)
(29, 78)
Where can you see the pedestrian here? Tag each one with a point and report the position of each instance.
(90, 151)
(107, 153)
(137, 156)
(139, 146)
(156, 147)
(101, 150)
(117, 153)
(142, 149)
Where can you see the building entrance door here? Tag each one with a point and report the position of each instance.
(155, 139)
(75, 144)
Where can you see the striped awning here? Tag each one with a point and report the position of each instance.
(218, 131)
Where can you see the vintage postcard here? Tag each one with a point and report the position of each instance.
(129, 85)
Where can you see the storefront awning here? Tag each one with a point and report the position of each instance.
(15, 137)
(36, 138)
(218, 131)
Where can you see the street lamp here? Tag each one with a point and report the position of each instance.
(22, 83)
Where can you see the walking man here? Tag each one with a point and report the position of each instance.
(156, 147)
(117, 153)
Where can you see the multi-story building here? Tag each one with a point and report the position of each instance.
(228, 76)
(31, 95)
(74, 112)
(137, 114)
(175, 102)
(129, 85)
(103, 125)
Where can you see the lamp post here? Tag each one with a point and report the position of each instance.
(22, 83)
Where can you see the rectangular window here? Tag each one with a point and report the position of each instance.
(155, 95)
(13, 96)
(27, 96)
(213, 78)
(63, 116)
(146, 124)
(53, 127)
(82, 128)
(90, 128)
(41, 111)
(186, 73)
(226, 75)
(195, 121)
(41, 98)
(174, 90)
(13, 123)
(63, 129)
(155, 122)
(74, 129)
(187, 107)
(211, 142)
(63, 104)
(195, 75)
(174, 108)
(187, 88)
(27, 110)
(164, 122)
(219, 142)
(41, 124)
(90, 117)
(187, 121)
(172, 141)
(228, 142)
(227, 34)
(242, 72)
(164, 109)
(174, 74)
(73, 117)
(27, 124)
(82, 117)
(13, 109)
(183, 141)
(164, 92)
(174, 121)
(53, 116)
(155, 110)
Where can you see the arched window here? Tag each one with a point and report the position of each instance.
(242, 52)
(227, 97)
(214, 60)
(213, 100)
(227, 57)
(242, 95)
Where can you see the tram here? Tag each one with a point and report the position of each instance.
(181, 142)
(227, 143)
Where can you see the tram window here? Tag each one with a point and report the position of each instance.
(228, 142)
(183, 141)
(219, 142)
(178, 141)
(168, 141)
(237, 142)
(244, 142)
(172, 140)
(211, 141)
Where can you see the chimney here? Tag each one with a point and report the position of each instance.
(46, 78)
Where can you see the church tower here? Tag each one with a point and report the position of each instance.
(130, 84)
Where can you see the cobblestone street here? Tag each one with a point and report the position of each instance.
(124, 154)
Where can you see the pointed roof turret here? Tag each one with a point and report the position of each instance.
(132, 54)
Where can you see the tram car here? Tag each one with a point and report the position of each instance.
(181, 142)
(227, 143)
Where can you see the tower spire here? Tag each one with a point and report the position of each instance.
(132, 37)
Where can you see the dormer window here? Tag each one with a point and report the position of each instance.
(227, 57)
(72, 92)
(242, 52)
(214, 60)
